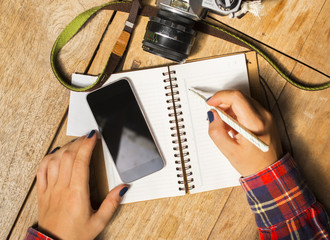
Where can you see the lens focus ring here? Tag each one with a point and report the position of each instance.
(172, 24)
(169, 39)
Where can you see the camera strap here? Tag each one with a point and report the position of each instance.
(134, 9)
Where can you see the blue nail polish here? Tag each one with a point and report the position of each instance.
(91, 134)
(54, 150)
(210, 116)
(208, 99)
(123, 191)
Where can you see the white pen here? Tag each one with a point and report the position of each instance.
(234, 124)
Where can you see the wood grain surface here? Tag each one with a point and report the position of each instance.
(33, 110)
(32, 102)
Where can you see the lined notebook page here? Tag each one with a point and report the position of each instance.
(211, 170)
(149, 87)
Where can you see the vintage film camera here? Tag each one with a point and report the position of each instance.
(170, 34)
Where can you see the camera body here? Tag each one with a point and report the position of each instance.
(171, 35)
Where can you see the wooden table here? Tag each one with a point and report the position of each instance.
(33, 110)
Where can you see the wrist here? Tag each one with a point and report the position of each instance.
(259, 165)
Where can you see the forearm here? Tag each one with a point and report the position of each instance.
(283, 205)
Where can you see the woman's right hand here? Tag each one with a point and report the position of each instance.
(245, 157)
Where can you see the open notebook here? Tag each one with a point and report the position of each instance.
(205, 168)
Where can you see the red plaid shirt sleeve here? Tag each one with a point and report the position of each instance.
(33, 234)
(284, 207)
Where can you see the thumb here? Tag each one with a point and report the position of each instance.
(218, 132)
(109, 206)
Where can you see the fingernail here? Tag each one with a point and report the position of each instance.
(74, 140)
(208, 99)
(210, 116)
(54, 150)
(123, 191)
(91, 134)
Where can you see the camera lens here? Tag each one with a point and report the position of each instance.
(169, 35)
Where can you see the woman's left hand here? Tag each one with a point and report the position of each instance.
(64, 208)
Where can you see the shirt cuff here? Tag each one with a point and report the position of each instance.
(33, 234)
(277, 193)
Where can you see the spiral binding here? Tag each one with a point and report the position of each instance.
(178, 129)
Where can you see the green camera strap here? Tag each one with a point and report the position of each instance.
(118, 51)
(134, 9)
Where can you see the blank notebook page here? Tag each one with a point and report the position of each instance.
(211, 170)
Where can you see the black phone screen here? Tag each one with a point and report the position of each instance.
(125, 130)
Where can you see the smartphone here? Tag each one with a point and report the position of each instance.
(125, 130)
